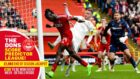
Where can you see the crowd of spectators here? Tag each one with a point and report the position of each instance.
(9, 16)
(129, 9)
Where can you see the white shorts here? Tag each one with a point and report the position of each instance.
(76, 43)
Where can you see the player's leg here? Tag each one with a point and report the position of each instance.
(112, 61)
(101, 57)
(73, 64)
(132, 61)
(54, 66)
(111, 56)
(79, 59)
(126, 51)
(106, 62)
(69, 67)
(105, 57)
(65, 58)
(103, 60)
(99, 61)
(58, 56)
(76, 43)
(63, 62)
(52, 45)
(125, 58)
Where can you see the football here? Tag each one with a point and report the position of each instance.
(34, 13)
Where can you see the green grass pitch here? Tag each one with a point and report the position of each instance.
(121, 72)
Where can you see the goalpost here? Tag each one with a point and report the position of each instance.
(24, 9)
(40, 35)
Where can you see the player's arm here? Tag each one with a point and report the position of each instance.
(103, 40)
(49, 26)
(96, 38)
(76, 19)
(89, 39)
(128, 29)
(66, 10)
(70, 17)
(126, 35)
(106, 29)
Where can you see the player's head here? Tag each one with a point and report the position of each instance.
(103, 21)
(117, 16)
(49, 14)
(88, 14)
(93, 20)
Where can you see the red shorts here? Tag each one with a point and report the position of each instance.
(104, 47)
(93, 44)
(66, 41)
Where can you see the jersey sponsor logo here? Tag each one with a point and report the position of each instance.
(116, 28)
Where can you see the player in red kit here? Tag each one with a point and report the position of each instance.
(103, 48)
(63, 26)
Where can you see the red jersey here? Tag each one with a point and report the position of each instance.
(104, 46)
(107, 37)
(63, 26)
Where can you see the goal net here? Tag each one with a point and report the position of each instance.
(25, 8)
